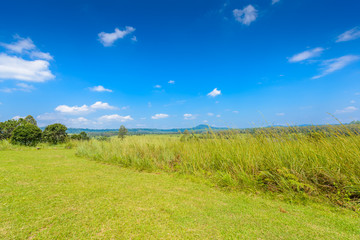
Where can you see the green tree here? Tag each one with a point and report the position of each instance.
(26, 134)
(81, 136)
(122, 132)
(30, 119)
(7, 127)
(55, 133)
(84, 136)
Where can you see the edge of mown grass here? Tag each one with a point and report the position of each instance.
(154, 153)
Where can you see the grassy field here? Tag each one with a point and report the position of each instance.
(52, 194)
(293, 166)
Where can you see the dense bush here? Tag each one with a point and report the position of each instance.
(81, 136)
(26, 134)
(7, 127)
(55, 133)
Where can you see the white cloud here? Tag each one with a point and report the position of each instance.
(20, 46)
(214, 93)
(108, 39)
(236, 112)
(275, 1)
(41, 55)
(15, 68)
(349, 35)
(73, 110)
(306, 55)
(134, 39)
(218, 115)
(101, 105)
(79, 120)
(157, 86)
(23, 87)
(84, 108)
(188, 116)
(99, 89)
(49, 117)
(115, 117)
(280, 114)
(335, 64)
(171, 82)
(160, 116)
(352, 101)
(26, 46)
(246, 15)
(210, 114)
(349, 109)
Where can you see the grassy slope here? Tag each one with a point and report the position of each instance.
(51, 194)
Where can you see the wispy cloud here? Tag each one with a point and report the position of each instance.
(134, 39)
(20, 46)
(336, 64)
(108, 39)
(349, 109)
(352, 34)
(171, 82)
(306, 55)
(157, 86)
(274, 1)
(246, 15)
(189, 116)
(99, 89)
(101, 105)
(280, 114)
(160, 116)
(115, 117)
(41, 55)
(25, 46)
(214, 93)
(23, 87)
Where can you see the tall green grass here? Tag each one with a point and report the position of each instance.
(291, 164)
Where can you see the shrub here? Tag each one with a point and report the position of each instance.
(26, 134)
(7, 127)
(122, 132)
(55, 133)
(81, 136)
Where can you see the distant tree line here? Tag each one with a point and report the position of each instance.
(24, 131)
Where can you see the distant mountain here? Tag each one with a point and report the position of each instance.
(197, 129)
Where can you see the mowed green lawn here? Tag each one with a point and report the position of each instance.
(52, 194)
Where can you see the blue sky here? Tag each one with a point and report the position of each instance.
(165, 64)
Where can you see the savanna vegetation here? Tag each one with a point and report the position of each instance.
(264, 183)
(292, 165)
